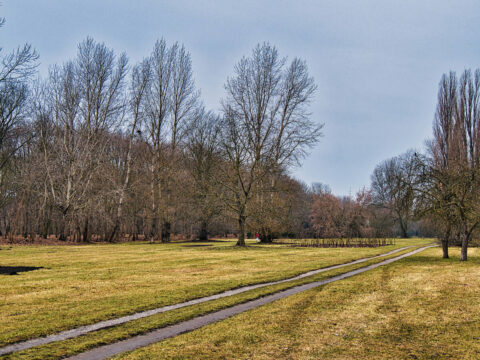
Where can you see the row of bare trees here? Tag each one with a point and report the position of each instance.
(103, 149)
(441, 186)
(450, 172)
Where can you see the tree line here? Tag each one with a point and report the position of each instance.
(101, 149)
(104, 149)
(442, 184)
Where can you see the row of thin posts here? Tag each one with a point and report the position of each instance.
(344, 242)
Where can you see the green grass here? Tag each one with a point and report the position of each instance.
(80, 285)
(421, 307)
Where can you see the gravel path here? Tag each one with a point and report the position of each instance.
(106, 351)
(82, 330)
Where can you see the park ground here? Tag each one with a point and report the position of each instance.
(419, 307)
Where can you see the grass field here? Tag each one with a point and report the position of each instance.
(80, 285)
(421, 307)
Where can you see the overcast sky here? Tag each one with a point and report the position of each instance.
(377, 64)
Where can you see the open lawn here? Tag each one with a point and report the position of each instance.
(421, 307)
(78, 285)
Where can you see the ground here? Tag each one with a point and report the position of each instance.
(79, 285)
(421, 307)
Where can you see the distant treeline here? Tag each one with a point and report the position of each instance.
(104, 150)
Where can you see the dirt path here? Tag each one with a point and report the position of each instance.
(106, 351)
(82, 330)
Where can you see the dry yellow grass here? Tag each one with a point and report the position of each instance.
(80, 285)
(421, 307)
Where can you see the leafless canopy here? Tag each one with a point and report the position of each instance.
(266, 123)
(16, 69)
(392, 188)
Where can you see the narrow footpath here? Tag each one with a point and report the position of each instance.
(106, 351)
(82, 330)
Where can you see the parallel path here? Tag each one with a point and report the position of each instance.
(82, 330)
(106, 351)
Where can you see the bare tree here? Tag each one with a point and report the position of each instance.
(392, 187)
(171, 99)
(468, 140)
(16, 69)
(266, 126)
(184, 96)
(435, 188)
(87, 102)
(202, 160)
(140, 78)
(326, 212)
(451, 174)
(341, 217)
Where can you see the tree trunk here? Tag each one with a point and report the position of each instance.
(403, 228)
(139, 226)
(165, 234)
(61, 235)
(85, 232)
(77, 237)
(126, 182)
(445, 248)
(446, 238)
(46, 228)
(153, 229)
(241, 231)
(463, 254)
(203, 234)
(113, 235)
(458, 239)
(266, 236)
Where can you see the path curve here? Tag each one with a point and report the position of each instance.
(106, 351)
(82, 330)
